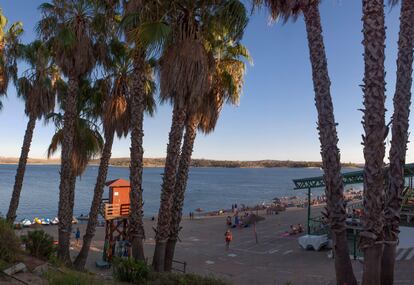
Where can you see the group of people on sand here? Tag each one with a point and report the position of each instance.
(238, 221)
(295, 229)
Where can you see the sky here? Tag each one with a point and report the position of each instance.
(276, 117)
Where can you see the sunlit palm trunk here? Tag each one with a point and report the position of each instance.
(137, 233)
(167, 188)
(65, 210)
(80, 260)
(179, 191)
(21, 168)
(400, 124)
(329, 150)
(373, 141)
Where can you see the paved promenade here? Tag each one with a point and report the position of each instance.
(274, 260)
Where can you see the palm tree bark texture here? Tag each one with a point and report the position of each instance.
(65, 211)
(167, 189)
(400, 124)
(179, 191)
(329, 150)
(18, 182)
(80, 260)
(371, 238)
(137, 234)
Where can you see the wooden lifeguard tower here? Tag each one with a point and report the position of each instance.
(116, 214)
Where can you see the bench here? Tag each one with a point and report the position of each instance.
(101, 264)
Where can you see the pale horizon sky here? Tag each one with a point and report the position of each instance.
(276, 118)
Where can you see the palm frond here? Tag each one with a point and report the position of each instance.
(282, 9)
(151, 36)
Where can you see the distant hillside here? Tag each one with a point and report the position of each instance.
(15, 160)
(159, 162)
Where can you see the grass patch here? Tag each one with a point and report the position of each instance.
(136, 272)
(69, 277)
(9, 242)
(183, 279)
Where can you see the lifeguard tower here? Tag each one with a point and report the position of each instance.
(116, 214)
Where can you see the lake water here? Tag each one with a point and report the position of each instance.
(208, 188)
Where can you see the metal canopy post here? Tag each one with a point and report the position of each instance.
(309, 209)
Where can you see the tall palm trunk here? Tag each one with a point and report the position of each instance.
(329, 150)
(137, 233)
(3, 74)
(167, 188)
(400, 123)
(180, 186)
(80, 260)
(373, 141)
(65, 210)
(72, 196)
(21, 168)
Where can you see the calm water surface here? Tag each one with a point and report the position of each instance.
(208, 188)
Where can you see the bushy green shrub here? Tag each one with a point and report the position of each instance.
(68, 277)
(184, 279)
(3, 265)
(39, 244)
(9, 242)
(129, 270)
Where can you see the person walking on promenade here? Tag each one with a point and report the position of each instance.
(228, 237)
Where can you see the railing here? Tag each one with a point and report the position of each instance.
(113, 211)
(182, 264)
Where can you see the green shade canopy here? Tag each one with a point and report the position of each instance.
(353, 177)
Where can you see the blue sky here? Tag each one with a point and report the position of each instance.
(276, 118)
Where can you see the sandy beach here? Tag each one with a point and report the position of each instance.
(274, 260)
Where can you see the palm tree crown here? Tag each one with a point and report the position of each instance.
(37, 86)
(73, 28)
(9, 52)
(87, 141)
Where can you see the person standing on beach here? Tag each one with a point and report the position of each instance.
(77, 236)
(228, 237)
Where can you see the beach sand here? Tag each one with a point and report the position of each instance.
(274, 260)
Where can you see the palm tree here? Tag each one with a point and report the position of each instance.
(116, 119)
(400, 123)
(373, 141)
(185, 77)
(146, 31)
(72, 29)
(326, 126)
(37, 87)
(87, 140)
(227, 86)
(9, 52)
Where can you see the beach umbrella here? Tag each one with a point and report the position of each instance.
(252, 219)
(277, 200)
